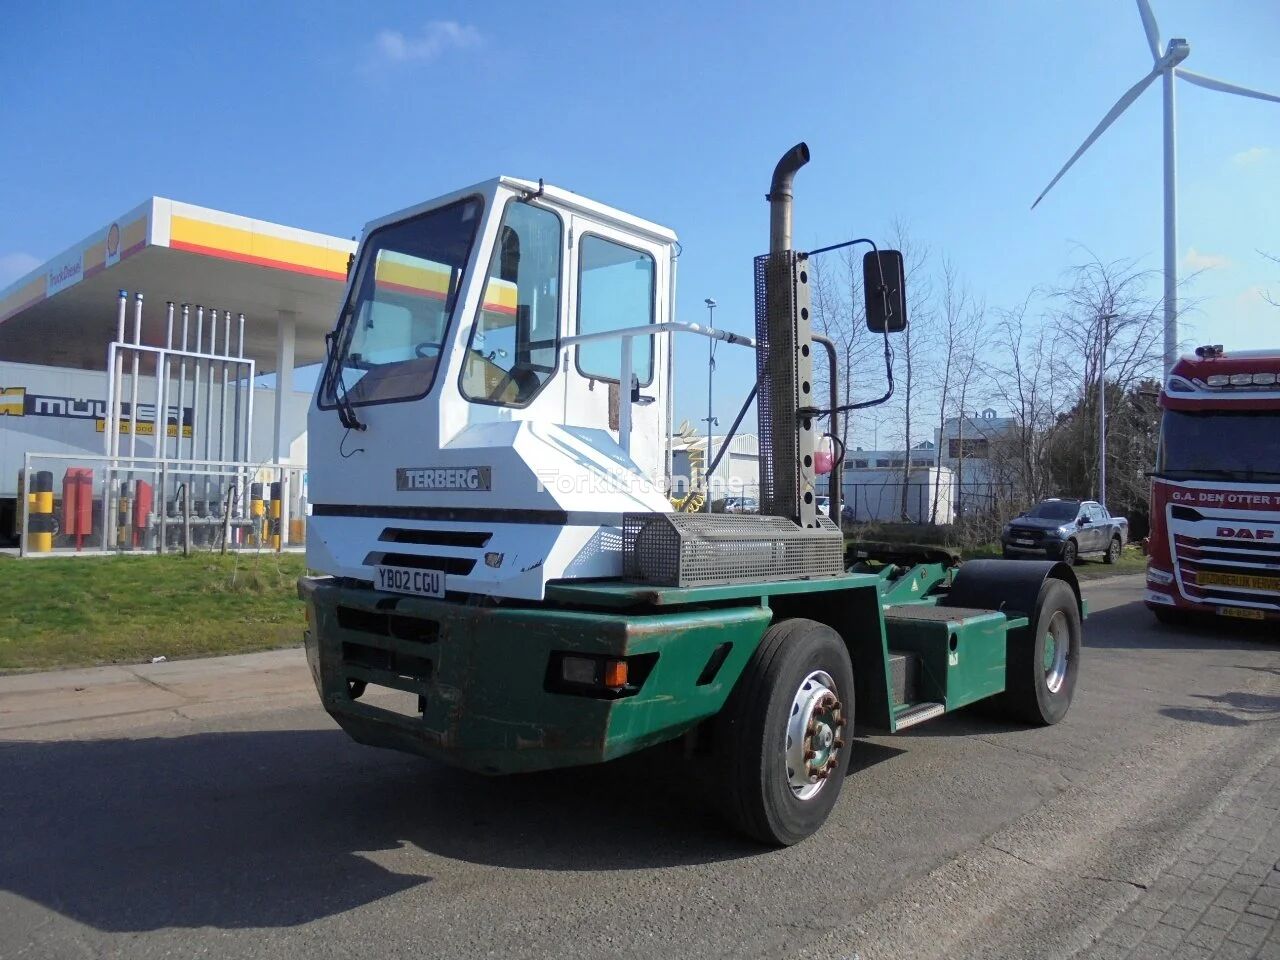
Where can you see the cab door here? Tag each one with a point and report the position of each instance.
(617, 280)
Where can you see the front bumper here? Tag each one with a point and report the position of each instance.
(481, 674)
(1043, 547)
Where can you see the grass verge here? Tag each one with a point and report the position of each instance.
(94, 610)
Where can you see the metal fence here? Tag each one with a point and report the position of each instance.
(883, 502)
(74, 503)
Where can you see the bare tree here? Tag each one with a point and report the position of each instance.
(960, 340)
(1109, 328)
(1021, 375)
(1276, 260)
(912, 344)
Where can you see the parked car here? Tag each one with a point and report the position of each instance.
(741, 505)
(1066, 530)
(824, 505)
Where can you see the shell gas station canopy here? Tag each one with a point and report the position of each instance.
(286, 281)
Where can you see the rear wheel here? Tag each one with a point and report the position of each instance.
(1040, 672)
(1113, 551)
(784, 734)
(1070, 553)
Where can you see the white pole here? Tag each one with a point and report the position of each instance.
(1170, 225)
(1102, 416)
(711, 370)
(116, 384)
(182, 380)
(133, 386)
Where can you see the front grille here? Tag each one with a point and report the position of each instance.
(1198, 558)
(1026, 533)
(458, 566)
(436, 538)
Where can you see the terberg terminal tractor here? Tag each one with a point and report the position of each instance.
(506, 585)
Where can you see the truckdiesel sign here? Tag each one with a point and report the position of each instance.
(442, 478)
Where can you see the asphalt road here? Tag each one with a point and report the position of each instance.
(253, 828)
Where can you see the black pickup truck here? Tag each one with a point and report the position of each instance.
(1066, 530)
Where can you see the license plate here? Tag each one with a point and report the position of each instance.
(1241, 613)
(1242, 581)
(420, 583)
(1024, 543)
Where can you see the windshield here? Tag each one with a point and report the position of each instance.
(392, 329)
(1232, 445)
(1054, 510)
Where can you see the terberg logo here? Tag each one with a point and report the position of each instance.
(1244, 533)
(443, 478)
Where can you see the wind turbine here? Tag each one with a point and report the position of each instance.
(1166, 67)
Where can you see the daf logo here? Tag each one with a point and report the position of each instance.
(1244, 533)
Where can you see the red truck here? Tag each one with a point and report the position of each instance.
(1215, 492)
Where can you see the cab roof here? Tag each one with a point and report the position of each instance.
(565, 199)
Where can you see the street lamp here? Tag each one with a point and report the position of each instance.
(1102, 408)
(711, 369)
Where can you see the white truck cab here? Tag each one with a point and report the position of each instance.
(457, 429)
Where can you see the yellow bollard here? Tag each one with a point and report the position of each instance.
(275, 516)
(257, 510)
(40, 521)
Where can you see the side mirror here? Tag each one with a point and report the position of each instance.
(885, 285)
(1083, 521)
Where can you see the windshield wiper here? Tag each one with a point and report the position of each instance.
(346, 409)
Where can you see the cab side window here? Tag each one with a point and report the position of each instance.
(615, 291)
(513, 347)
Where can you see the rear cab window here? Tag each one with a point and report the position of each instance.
(616, 285)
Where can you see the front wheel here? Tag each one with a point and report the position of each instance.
(784, 734)
(1070, 553)
(1040, 671)
(1113, 551)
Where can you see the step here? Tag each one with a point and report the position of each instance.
(904, 670)
(918, 713)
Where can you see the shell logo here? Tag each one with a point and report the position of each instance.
(113, 240)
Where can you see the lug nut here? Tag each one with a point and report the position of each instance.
(810, 754)
(838, 744)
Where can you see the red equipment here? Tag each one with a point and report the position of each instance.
(77, 504)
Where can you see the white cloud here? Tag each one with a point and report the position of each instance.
(1251, 297)
(15, 265)
(436, 37)
(1195, 260)
(1252, 156)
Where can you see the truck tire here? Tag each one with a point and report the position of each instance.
(1040, 672)
(783, 734)
(1070, 553)
(1113, 551)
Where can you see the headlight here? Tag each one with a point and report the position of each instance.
(1158, 576)
(1063, 530)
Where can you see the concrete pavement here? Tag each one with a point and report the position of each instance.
(222, 814)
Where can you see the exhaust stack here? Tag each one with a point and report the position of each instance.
(784, 366)
(779, 197)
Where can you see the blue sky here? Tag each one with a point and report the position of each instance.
(949, 116)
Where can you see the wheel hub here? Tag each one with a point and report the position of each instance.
(815, 731)
(1057, 644)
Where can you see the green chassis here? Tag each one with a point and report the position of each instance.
(482, 678)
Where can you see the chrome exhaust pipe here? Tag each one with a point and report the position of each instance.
(780, 196)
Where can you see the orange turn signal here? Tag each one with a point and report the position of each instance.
(615, 673)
